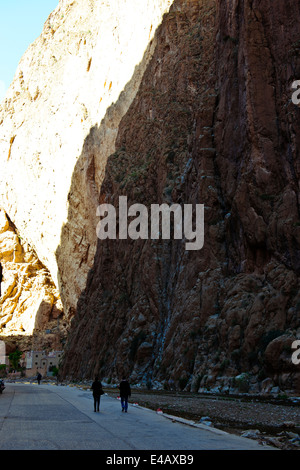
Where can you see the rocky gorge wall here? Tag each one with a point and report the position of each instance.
(212, 123)
(190, 104)
(83, 71)
(31, 309)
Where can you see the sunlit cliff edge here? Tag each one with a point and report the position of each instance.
(70, 80)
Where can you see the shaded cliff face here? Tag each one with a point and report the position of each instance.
(82, 72)
(211, 123)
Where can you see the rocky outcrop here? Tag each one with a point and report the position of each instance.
(195, 110)
(30, 305)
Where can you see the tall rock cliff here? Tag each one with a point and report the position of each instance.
(82, 72)
(183, 102)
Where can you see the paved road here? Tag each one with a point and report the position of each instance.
(49, 417)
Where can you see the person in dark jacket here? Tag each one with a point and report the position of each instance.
(0, 277)
(97, 392)
(125, 393)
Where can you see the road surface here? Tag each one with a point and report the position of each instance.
(50, 417)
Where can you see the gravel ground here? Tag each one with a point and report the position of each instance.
(273, 422)
(269, 421)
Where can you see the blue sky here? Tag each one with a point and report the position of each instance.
(21, 22)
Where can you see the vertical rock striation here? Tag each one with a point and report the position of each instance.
(212, 123)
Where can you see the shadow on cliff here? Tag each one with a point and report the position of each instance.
(48, 315)
(130, 317)
(151, 310)
(48, 332)
(87, 190)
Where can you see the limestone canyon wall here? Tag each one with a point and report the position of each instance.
(192, 107)
(83, 71)
(30, 305)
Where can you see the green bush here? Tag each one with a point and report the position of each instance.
(14, 359)
(54, 371)
(2, 370)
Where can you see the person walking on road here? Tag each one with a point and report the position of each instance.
(97, 392)
(39, 378)
(125, 393)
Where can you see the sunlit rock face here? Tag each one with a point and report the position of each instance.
(83, 71)
(30, 303)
